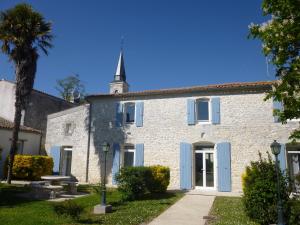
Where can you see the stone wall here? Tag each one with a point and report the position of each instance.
(246, 122)
(77, 139)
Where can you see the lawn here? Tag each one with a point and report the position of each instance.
(229, 211)
(17, 210)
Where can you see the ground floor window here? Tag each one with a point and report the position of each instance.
(293, 160)
(129, 152)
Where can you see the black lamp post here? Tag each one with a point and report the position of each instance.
(103, 208)
(275, 148)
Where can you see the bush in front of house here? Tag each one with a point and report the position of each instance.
(134, 182)
(159, 180)
(294, 215)
(30, 167)
(260, 191)
(69, 208)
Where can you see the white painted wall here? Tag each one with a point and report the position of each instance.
(31, 145)
(7, 100)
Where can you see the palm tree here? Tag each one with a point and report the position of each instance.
(23, 32)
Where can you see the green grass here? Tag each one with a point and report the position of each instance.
(229, 211)
(21, 211)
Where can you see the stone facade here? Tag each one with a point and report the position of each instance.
(246, 122)
(39, 107)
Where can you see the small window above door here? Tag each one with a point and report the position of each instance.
(202, 110)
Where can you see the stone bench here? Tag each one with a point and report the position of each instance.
(72, 186)
(46, 191)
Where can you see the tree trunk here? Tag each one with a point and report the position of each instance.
(25, 74)
(15, 134)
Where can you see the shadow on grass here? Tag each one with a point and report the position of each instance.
(10, 196)
(157, 196)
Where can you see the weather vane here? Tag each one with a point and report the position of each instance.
(122, 42)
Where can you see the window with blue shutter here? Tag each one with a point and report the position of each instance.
(282, 158)
(185, 166)
(139, 114)
(215, 110)
(119, 114)
(55, 154)
(191, 119)
(139, 155)
(277, 106)
(224, 166)
(116, 161)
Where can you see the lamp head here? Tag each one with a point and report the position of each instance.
(275, 147)
(105, 147)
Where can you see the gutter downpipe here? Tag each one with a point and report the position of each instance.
(89, 141)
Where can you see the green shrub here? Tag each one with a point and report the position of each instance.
(294, 215)
(159, 180)
(30, 167)
(69, 208)
(260, 191)
(132, 181)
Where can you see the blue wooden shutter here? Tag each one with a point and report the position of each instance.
(139, 114)
(185, 166)
(116, 162)
(139, 155)
(215, 108)
(55, 154)
(277, 106)
(191, 117)
(282, 158)
(224, 166)
(119, 114)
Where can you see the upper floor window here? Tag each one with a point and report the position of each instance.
(129, 112)
(129, 155)
(202, 109)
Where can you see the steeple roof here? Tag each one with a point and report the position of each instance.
(120, 72)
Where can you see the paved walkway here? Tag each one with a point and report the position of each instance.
(187, 211)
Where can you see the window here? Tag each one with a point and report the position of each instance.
(129, 156)
(129, 112)
(202, 109)
(69, 129)
(65, 161)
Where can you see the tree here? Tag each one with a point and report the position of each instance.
(71, 88)
(281, 42)
(23, 32)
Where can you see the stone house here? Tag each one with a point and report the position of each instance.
(206, 135)
(29, 141)
(39, 107)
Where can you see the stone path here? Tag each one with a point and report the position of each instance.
(187, 211)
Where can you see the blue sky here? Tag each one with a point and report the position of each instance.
(167, 43)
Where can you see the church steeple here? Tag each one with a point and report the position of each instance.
(119, 84)
(120, 72)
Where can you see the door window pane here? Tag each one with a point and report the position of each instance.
(199, 169)
(209, 163)
(202, 110)
(129, 112)
(128, 158)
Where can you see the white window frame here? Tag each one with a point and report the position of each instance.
(127, 149)
(209, 111)
(124, 113)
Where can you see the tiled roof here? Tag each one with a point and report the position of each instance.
(6, 124)
(261, 85)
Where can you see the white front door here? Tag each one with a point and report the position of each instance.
(204, 169)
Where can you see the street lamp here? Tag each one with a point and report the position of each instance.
(275, 148)
(103, 208)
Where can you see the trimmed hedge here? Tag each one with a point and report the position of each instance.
(31, 167)
(159, 180)
(134, 182)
